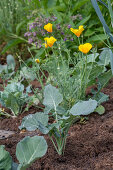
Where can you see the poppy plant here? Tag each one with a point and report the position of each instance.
(49, 41)
(77, 32)
(48, 27)
(85, 48)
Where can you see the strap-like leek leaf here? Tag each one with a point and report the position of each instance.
(97, 9)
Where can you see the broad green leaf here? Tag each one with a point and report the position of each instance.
(104, 78)
(52, 97)
(61, 110)
(98, 37)
(93, 23)
(100, 110)
(99, 29)
(52, 127)
(28, 89)
(47, 110)
(101, 97)
(104, 57)
(10, 62)
(29, 149)
(5, 159)
(14, 98)
(35, 121)
(27, 73)
(84, 107)
(12, 103)
(92, 57)
(95, 71)
(89, 32)
(15, 87)
(3, 68)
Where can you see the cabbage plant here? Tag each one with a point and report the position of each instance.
(63, 119)
(27, 151)
(7, 70)
(14, 98)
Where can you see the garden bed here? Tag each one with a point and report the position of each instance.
(56, 59)
(89, 144)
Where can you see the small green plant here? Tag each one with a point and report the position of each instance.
(63, 119)
(7, 70)
(27, 151)
(14, 98)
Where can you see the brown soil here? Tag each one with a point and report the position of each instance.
(89, 145)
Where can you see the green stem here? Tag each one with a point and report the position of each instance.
(82, 78)
(29, 81)
(79, 40)
(5, 114)
(54, 144)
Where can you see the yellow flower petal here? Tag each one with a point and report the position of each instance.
(81, 27)
(49, 41)
(77, 32)
(85, 48)
(46, 38)
(48, 27)
(46, 45)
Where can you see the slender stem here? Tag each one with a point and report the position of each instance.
(102, 40)
(79, 40)
(5, 114)
(89, 71)
(40, 80)
(54, 144)
(109, 45)
(82, 78)
(38, 74)
(29, 81)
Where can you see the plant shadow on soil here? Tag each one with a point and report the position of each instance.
(89, 145)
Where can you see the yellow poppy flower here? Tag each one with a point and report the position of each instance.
(48, 27)
(77, 32)
(37, 60)
(85, 48)
(49, 41)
